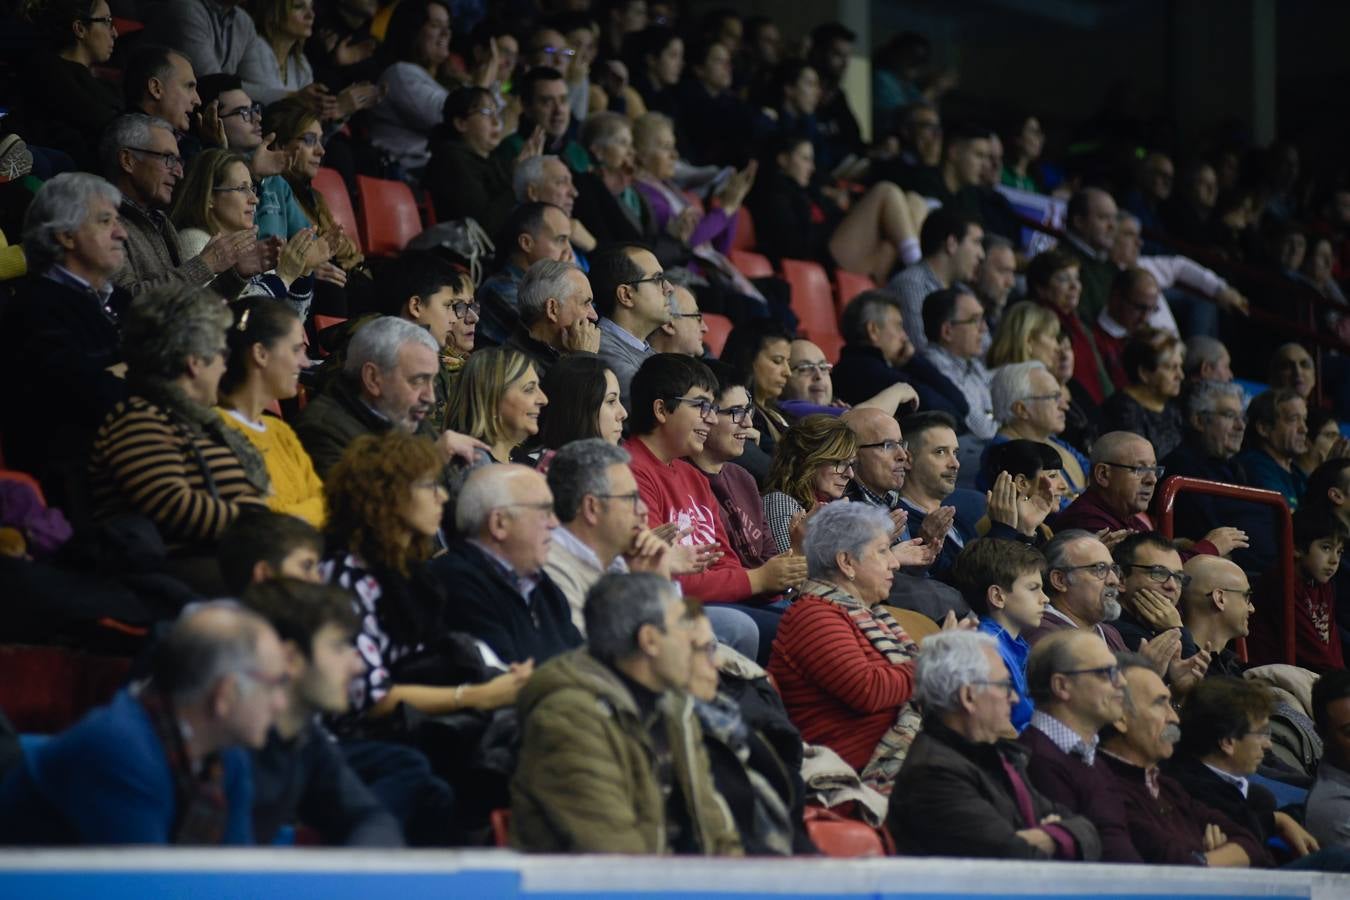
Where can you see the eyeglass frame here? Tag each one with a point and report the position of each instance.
(822, 367)
(249, 188)
(462, 308)
(1036, 397)
(847, 465)
(249, 113)
(635, 496)
(656, 278)
(105, 20)
(1111, 673)
(170, 160)
(1009, 689)
(747, 413)
(901, 444)
(1181, 578)
(1244, 594)
(703, 405)
(1091, 568)
(1136, 471)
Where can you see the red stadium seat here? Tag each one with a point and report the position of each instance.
(47, 689)
(389, 216)
(751, 265)
(848, 285)
(334, 190)
(719, 326)
(744, 238)
(813, 302)
(842, 838)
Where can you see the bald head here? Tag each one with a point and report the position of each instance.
(810, 379)
(208, 641)
(1216, 605)
(508, 508)
(882, 462)
(871, 424)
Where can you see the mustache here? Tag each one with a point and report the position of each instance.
(1171, 734)
(1110, 607)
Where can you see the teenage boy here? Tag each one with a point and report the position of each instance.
(1319, 538)
(300, 776)
(1001, 581)
(674, 411)
(266, 544)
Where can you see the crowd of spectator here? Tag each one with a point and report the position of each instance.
(481, 535)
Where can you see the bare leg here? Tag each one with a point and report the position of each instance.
(881, 216)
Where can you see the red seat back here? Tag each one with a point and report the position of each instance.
(47, 689)
(744, 239)
(848, 285)
(719, 326)
(389, 216)
(751, 265)
(334, 191)
(813, 302)
(839, 837)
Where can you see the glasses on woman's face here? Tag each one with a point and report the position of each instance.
(241, 189)
(246, 113)
(739, 415)
(309, 139)
(463, 309)
(843, 466)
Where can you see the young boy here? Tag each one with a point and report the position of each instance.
(1001, 580)
(262, 545)
(301, 774)
(1319, 538)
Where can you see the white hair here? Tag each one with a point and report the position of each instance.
(127, 130)
(61, 206)
(487, 488)
(841, 528)
(546, 278)
(380, 341)
(948, 661)
(529, 172)
(1010, 384)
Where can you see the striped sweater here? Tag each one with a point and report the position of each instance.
(143, 462)
(838, 689)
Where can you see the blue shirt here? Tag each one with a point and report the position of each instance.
(1014, 651)
(107, 781)
(1264, 472)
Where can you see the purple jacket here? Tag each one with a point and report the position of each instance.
(716, 226)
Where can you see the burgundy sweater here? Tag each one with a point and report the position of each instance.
(1089, 513)
(743, 515)
(1317, 641)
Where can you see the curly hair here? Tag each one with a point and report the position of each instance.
(164, 327)
(811, 442)
(477, 393)
(1015, 331)
(365, 492)
(192, 199)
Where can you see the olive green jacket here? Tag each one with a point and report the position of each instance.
(585, 782)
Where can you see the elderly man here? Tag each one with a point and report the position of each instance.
(1134, 300)
(535, 231)
(1216, 607)
(505, 598)
(994, 280)
(1083, 584)
(1166, 823)
(60, 336)
(634, 298)
(386, 383)
(963, 789)
(1207, 359)
(686, 328)
(1090, 236)
(546, 179)
(877, 351)
(612, 757)
(951, 248)
(557, 314)
(1328, 809)
(1073, 679)
(810, 387)
(166, 762)
(953, 322)
(603, 528)
(140, 157)
(543, 98)
(1277, 435)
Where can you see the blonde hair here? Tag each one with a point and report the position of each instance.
(648, 125)
(1015, 331)
(811, 442)
(269, 16)
(477, 393)
(192, 200)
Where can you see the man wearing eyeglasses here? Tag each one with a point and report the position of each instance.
(963, 789)
(810, 387)
(166, 761)
(141, 160)
(1216, 607)
(1134, 298)
(634, 298)
(1152, 580)
(686, 328)
(1078, 690)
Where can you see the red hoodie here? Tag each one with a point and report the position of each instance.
(677, 492)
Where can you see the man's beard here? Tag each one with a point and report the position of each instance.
(1110, 605)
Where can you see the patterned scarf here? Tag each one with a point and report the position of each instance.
(891, 641)
(202, 811)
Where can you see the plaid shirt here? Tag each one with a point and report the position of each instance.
(1064, 737)
(1150, 774)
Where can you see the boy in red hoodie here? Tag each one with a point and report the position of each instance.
(674, 407)
(1319, 538)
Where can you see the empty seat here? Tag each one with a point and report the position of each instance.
(751, 265)
(334, 190)
(813, 302)
(842, 838)
(389, 215)
(848, 285)
(719, 326)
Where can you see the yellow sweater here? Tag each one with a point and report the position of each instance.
(296, 488)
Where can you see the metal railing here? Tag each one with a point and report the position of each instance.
(1165, 502)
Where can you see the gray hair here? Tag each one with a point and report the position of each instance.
(579, 469)
(379, 342)
(994, 242)
(207, 642)
(165, 327)
(864, 309)
(841, 528)
(61, 206)
(529, 172)
(1010, 384)
(602, 128)
(1056, 550)
(948, 661)
(1202, 397)
(127, 130)
(546, 278)
(617, 606)
(1126, 660)
(486, 488)
(1202, 349)
(1053, 655)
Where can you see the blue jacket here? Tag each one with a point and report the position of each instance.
(1014, 651)
(107, 781)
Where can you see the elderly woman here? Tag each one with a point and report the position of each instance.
(384, 507)
(465, 178)
(217, 196)
(1053, 282)
(267, 355)
(70, 104)
(1148, 404)
(164, 454)
(812, 464)
(844, 666)
(1027, 331)
(498, 400)
(1029, 404)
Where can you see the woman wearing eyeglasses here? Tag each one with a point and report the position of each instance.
(267, 355)
(812, 464)
(74, 105)
(218, 197)
(465, 179)
(1148, 405)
